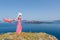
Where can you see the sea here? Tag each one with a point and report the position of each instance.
(52, 29)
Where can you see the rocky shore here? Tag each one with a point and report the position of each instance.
(27, 36)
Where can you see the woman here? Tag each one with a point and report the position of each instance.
(19, 27)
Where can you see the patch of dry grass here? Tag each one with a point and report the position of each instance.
(27, 36)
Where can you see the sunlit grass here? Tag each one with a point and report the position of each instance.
(27, 36)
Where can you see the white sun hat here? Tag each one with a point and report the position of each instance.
(20, 14)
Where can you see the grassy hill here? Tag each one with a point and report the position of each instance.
(27, 36)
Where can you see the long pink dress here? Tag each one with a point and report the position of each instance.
(19, 27)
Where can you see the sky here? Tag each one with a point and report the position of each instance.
(31, 9)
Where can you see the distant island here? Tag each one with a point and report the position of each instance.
(37, 22)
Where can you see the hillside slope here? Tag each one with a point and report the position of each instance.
(27, 36)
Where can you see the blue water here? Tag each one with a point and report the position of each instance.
(53, 29)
